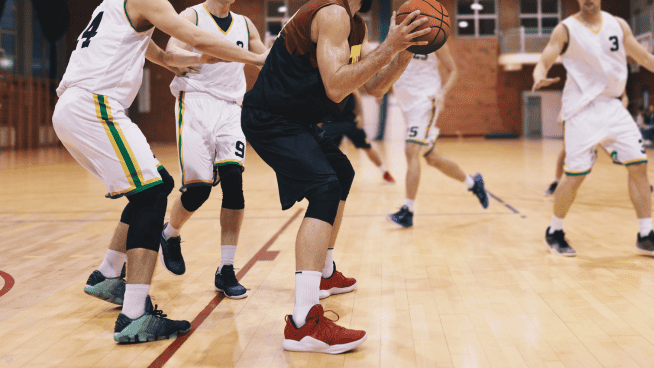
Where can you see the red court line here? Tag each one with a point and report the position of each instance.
(9, 283)
(262, 255)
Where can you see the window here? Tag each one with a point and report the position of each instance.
(476, 18)
(539, 17)
(276, 16)
(8, 35)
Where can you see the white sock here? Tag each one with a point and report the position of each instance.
(134, 302)
(469, 182)
(171, 232)
(557, 224)
(409, 203)
(328, 270)
(556, 180)
(382, 168)
(112, 264)
(307, 284)
(227, 253)
(645, 226)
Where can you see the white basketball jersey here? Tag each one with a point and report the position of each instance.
(595, 62)
(109, 55)
(420, 79)
(225, 81)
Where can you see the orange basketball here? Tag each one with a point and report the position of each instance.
(439, 22)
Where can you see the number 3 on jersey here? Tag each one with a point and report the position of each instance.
(91, 31)
(616, 45)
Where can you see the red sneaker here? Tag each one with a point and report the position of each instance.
(336, 284)
(388, 178)
(320, 334)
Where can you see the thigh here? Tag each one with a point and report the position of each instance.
(420, 122)
(230, 140)
(195, 141)
(291, 150)
(625, 143)
(106, 142)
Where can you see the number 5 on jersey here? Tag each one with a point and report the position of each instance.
(91, 31)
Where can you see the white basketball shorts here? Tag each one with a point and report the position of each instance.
(209, 135)
(421, 123)
(604, 122)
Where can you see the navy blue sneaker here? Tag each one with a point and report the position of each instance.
(403, 217)
(170, 254)
(479, 190)
(645, 244)
(558, 245)
(227, 283)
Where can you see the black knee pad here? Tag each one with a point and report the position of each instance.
(345, 174)
(194, 197)
(231, 182)
(323, 202)
(148, 209)
(168, 181)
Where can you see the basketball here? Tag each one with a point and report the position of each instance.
(439, 22)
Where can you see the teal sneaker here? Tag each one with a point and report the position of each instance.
(151, 326)
(110, 289)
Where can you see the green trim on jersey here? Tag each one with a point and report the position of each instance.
(197, 17)
(130, 21)
(180, 129)
(643, 161)
(247, 27)
(568, 173)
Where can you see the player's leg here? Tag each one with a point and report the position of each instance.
(559, 173)
(195, 118)
(451, 169)
(108, 281)
(230, 158)
(116, 152)
(333, 281)
(303, 172)
(360, 141)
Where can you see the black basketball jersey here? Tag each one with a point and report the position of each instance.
(289, 83)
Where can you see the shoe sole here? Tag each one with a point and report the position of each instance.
(233, 297)
(161, 259)
(644, 252)
(388, 217)
(135, 339)
(111, 299)
(309, 344)
(557, 253)
(322, 294)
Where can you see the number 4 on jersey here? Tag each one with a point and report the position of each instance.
(92, 30)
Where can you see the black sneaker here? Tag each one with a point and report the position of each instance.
(645, 244)
(110, 289)
(558, 245)
(552, 188)
(151, 326)
(403, 217)
(479, 191)
(171, 254)
(226, 282)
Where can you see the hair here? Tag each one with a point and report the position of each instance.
(366, 5)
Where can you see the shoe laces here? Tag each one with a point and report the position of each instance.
(158, 312)
(175, 246)
(227, 273)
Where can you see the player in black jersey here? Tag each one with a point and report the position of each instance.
(320, 57)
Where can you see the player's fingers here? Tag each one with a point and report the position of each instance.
(419, 33)
(393, 20)
(418, 43)
(409, 18)
(417, 23)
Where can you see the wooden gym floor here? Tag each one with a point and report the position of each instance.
(465, 287)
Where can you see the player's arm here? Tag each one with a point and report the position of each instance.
(358, 109)
(624, 99)
(444, 54)
(255, 43)
(635, 49)
(557, 42)
(330, 30)
(156, 55)
(163, 16)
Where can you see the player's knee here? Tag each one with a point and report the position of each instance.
(168, 181)
(147, 212)
(345, 174)
(231, 182)
(323, 202)
(194, 197)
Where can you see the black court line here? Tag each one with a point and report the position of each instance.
(511, 208)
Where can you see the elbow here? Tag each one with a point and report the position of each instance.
(167, 57)
(377, 93)
(335, 94)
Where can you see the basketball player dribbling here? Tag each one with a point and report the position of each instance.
(102, 79)
(421, 98)
(594, 46)
(320, 57)
(209, 137)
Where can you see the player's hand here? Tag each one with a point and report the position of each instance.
(182, 71)
(544, 82)
(400, 36)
